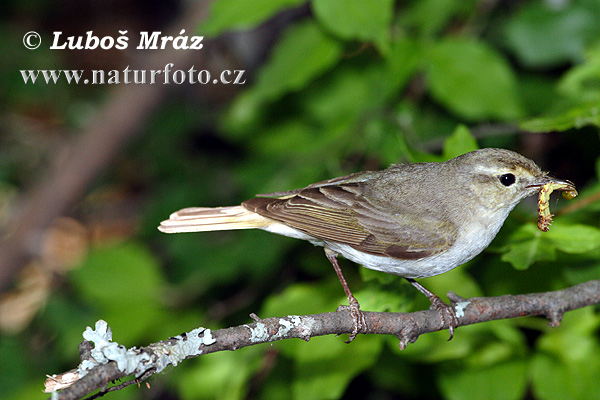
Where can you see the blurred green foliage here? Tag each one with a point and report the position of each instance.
(350, 86)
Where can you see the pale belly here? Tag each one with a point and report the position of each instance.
(471, 241)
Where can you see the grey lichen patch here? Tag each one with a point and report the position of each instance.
(460, 308)
(105, 350)
(133, 361)
(258, 333)
(262, 332)
(180, 347)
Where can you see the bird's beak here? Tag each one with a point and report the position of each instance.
(544, 180)
(547, 184)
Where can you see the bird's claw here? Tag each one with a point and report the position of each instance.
(358, 318)
(447, 314)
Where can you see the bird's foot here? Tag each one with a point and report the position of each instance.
(358, 318)
(447, 314)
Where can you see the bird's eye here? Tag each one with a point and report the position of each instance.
(507, 179)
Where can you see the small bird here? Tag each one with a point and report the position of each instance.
(414, 220)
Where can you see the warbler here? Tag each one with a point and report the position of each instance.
(414, 220)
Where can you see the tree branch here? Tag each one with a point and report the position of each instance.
(109, 361)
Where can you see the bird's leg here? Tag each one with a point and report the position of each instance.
(447, 313)
(360, 323)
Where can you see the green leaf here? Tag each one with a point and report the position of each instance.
(577, 117)
(303, 53)
(542, 35)
(222, 375)
(429, 17)
(554, 380)
(227, 15)
(567, 362)
(523, 255)
(526, 246)
(344, 95)
(574, 239)
(123, 282)
(300, 299)
(581, 85)
(359, 20)
(403, 61)
(582, 82)
(503, 381)
(472, 80)
(391, 297)
(325, 366)
(245, 115)
(124, 272)
(460, 142)
(294, 137)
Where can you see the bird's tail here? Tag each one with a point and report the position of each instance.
(200, 219)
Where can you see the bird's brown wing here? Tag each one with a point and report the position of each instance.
(347, 179)
(339, 213)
